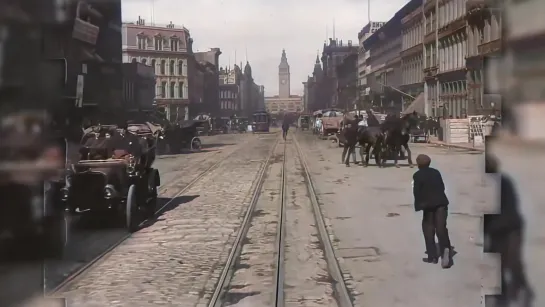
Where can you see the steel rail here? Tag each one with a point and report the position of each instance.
(278, 298)
(75, 275)
(217, 297)
(341, 291)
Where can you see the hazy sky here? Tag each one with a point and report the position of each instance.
(264, 28)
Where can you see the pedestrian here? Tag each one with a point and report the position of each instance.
(350, 133)
(430, 198)
(285, 128)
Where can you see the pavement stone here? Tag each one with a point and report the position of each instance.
(379, 241)
(176, 260)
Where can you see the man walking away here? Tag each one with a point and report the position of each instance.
(350, 132)
(285, 128)
(429, 197)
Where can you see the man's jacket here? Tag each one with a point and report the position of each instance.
(428, 189)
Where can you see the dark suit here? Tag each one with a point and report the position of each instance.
(350, 134)
(429, 197)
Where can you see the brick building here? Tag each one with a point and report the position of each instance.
(314, 99)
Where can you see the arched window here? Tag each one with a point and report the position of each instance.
(163, 67)
(145, 61)
(172, 86)
(153, 64)
(181, 90)
(180, 67)
(171, 67)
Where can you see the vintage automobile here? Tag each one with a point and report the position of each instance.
(188, 134)
(331, 122)
(32, 161)
(114, 176)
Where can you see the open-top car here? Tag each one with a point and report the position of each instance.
(114, 175)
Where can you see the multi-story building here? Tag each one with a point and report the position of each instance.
(347, 76)
(315, 100)
(431, 84)
(452, 40)
(412, 75)
(385, 76)
(252, 94)
(167, 48)
(206, 78)
(363, 57)
(284, 102)
(483, 40)
(332, 56)
(229, 91)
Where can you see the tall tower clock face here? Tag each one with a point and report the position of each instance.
(283, 81)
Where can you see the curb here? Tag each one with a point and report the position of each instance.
(457, 146)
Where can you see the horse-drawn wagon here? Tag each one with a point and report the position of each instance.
(114, 176)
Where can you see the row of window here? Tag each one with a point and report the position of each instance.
(228, 94)
(412, 71)
(228, 105)
(482, 35)
(159, 43)
(450, 11)
(430, 20)
(412, 36)
(175, 90)
(162, 67)
(452, 52)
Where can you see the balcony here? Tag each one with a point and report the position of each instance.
(490, 47)
(452, 27)
(430, 72)
(415, 14)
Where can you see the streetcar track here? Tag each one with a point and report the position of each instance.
(217, 298)
(74, 276)
(342, 293)
(226, 289)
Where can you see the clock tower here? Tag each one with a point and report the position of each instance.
(284, 77)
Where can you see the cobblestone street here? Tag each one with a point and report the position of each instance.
(380, 244)
(175, 260)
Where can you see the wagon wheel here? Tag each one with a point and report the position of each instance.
(131, 210)
(196, 144)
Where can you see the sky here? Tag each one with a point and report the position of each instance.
(258, 30)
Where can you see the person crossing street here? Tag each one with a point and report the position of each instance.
(285, 128)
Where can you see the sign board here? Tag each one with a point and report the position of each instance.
(85, 31)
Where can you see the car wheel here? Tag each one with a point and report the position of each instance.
(131, 210)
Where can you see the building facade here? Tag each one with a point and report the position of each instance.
(483, 40)
(315, 99)
(168, 49)
(332, 56)
(284, 102)
(412, 76)
(452, 46)
(384, 78)
(363, 61)
(347, 74)
(205, 82)
(230, 91)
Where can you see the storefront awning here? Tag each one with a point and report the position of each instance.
(417, 105)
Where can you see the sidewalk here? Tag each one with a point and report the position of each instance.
(468, 146)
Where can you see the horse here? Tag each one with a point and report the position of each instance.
(371, 137)
(397, 135)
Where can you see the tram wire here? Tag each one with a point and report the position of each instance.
(71, 278)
